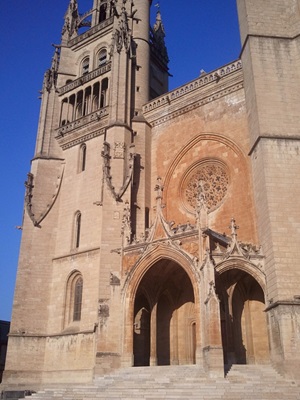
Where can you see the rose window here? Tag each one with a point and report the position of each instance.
(212, 178)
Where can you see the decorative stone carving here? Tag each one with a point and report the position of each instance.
(119, 151)
(205, 186)
(212, 294)
(71, 23)
(159, 187)
(126, 224)
(40, 214)
(107, 171)
(103, 309)
(28, 196)
(50, 77)
(114, 280)
(122, 34)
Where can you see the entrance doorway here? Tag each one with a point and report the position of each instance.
(243, 320)
(164, 317)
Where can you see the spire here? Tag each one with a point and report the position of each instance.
(158, 26)
(72, 19)
(158, 37)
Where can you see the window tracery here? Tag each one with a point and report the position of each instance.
(214, 178)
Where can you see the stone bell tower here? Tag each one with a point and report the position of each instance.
(270, 55)
(88, 170)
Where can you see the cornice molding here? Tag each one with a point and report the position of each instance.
(203, 90)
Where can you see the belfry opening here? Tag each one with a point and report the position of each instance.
(164, 317)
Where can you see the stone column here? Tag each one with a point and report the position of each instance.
(153, 333)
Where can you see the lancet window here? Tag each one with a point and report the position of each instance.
(77, 229)
(77, 298)
(82, 158)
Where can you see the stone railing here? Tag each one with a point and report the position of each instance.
(90, 32)
(95, 116)
(85, 78)
(189, 87)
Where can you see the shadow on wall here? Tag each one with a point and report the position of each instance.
(4, 330)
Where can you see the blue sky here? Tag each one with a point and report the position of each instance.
(201, 34)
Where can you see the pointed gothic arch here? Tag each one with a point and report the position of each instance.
(241, 289)
(162, 304)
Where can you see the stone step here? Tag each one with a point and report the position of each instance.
(181, 382)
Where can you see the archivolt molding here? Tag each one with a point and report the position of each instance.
(158, 252)
(161, 233)
(243, 265)
(193, 142)
(29, 197)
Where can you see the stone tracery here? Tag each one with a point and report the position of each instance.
(215, 182)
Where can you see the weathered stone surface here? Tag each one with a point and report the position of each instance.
(131, 253)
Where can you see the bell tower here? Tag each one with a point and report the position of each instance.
(270, 55)
(89, 171)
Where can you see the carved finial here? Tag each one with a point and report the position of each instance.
(233, 227)
(72, 19)
(50, 77)
(55, 58)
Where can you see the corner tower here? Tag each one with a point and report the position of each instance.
(89, 170)
(270, 54)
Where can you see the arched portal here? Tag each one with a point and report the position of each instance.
(243, 320)
(164, 317)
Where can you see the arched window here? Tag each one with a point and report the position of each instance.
(82, 158)
(103, 11)
(77, 298)
(104, 87)
(85, 66)
(77, 229)
(73, 303)
(102, 57)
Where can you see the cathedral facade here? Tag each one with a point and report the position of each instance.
(161, 227)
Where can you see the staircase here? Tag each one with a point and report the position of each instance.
(243, 382)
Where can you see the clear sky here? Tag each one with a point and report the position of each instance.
(201, 34)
